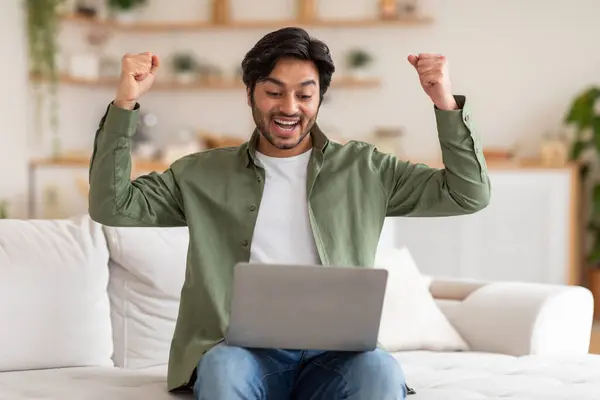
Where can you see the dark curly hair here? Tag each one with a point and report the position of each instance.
(286, 42)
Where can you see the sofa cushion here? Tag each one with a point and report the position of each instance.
(435, 376)
(89, 383)
(411, 318)
(480, 376)
(147, 271)
(54, 309)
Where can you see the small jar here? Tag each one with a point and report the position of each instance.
(387, 140)
(554, 151)
(388, 9)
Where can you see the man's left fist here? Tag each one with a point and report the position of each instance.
(433, 74)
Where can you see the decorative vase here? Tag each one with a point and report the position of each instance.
(126, 17)
(360, 73)
(185, 77)
(307, 10)
(221, 11)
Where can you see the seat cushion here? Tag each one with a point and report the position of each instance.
(476, 376)
(435, 376)
(90, 383)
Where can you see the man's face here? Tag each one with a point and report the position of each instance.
(285, 105)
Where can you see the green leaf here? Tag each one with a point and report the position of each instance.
(594, 256)
(596, 200)
(581, 112)
(578, 148)
(584, 171)
(595, 125)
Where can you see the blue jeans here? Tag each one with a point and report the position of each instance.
(235, 373)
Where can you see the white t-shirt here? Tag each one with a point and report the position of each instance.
(283, 233)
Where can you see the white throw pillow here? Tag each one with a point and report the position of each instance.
(54, 308)
(411, 319)
(147, 272)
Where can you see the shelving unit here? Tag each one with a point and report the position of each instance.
(219, 19)
(219, 84)
(167, 26)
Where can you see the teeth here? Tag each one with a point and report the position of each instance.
(286, 122)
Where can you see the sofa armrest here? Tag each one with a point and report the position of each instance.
(522, 318)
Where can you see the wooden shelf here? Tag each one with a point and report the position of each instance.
(224, 84)
(148, 165)
(84, 162)
(507, 165)
(161, 26)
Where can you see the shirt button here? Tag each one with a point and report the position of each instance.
(467, 117)
(245, 243)
(252, 208)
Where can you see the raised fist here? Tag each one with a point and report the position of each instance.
(138, 72)
(432, 70)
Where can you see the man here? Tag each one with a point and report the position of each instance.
(288, 195)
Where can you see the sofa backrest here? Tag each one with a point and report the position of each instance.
(147, 271)
(99, 295)
(54, 308)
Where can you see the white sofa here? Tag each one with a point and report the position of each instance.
(87, 312)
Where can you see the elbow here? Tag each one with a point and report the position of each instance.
(101, 217)
(477, 200)
(104, 212)
(478, 204)
(480, 199)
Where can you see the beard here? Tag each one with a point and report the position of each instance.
(263, 123)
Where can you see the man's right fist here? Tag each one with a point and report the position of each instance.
(138, 72)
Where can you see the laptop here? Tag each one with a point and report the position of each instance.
(306, 307)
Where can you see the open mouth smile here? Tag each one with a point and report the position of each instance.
(285, 127)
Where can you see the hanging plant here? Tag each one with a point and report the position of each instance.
(43, 24)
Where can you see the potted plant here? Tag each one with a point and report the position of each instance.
(584, 117)
(185, 67)
(125, 11)
(43, 25)
(3, 209)
(359, 61)
(86, 8)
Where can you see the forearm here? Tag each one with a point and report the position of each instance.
(115, 199)
(465, 173)
(110, 166)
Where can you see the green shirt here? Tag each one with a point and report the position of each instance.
(216, 193)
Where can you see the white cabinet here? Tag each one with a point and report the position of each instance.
(525, 234)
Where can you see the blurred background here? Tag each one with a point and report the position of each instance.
(530, 70)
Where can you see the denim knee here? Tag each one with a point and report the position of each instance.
(228, 373)
(377, 375)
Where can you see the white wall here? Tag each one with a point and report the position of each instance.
(13, 106)
(520, 63)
